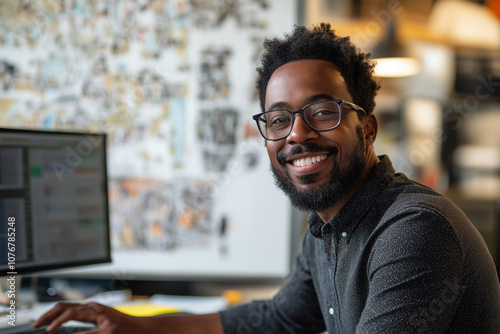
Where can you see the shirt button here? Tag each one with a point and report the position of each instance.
(331, 310)
(344, 234)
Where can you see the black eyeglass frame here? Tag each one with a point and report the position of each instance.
(301, 112)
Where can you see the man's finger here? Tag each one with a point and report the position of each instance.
(64, 312)
(69, 314)
(53, 313)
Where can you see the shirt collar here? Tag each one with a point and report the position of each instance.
(348, 218)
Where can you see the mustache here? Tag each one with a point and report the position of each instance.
(306, 148)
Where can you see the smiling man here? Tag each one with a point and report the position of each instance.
(317, 159)
(383, 254)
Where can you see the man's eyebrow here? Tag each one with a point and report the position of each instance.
(278, 105)
(309, 99)
(319, 97)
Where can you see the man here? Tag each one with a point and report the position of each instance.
(382, 254)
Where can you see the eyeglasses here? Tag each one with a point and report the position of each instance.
(320, 116)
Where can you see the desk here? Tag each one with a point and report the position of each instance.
(143, 307)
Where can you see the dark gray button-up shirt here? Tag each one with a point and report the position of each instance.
(398, 258)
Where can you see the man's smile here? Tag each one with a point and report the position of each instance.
(307, 168)
(302, 162)
(307, 159)
(308, 164)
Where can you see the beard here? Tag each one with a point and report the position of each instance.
(322, 197)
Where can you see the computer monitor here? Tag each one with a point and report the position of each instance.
(53, 200)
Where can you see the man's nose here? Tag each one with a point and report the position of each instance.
(301, 132)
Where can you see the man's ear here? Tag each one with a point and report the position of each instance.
(371, 128)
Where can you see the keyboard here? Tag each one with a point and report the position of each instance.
(30, 330)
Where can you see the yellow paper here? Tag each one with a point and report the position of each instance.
(145, 309)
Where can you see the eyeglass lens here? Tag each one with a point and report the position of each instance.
(320, 116)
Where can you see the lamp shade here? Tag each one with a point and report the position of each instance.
(393, 58)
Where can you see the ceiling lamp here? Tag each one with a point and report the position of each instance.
(392, 58)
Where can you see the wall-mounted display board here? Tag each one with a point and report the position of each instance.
(172, 84)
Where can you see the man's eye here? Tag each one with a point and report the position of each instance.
(324, 112)
(279, 120)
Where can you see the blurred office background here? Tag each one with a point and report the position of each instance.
(172, 83)
(439, 111)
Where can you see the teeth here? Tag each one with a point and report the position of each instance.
(308, 161)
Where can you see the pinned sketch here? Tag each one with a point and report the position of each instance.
(217, 136)
(214, 13)
(214, 74)
(155, 215)
(7, 75)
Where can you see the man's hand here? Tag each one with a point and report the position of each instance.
(107, 319)
(111, 321)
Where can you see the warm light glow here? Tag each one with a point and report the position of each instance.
(396, 67)
(464, 23)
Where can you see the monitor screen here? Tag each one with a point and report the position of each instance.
(53, 200)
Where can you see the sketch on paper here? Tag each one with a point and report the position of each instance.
(149, 214)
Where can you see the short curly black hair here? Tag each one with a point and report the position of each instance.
(320, 42)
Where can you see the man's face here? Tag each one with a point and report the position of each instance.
(340, 153)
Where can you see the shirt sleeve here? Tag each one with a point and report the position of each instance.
(415, 274)
(294, 309)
